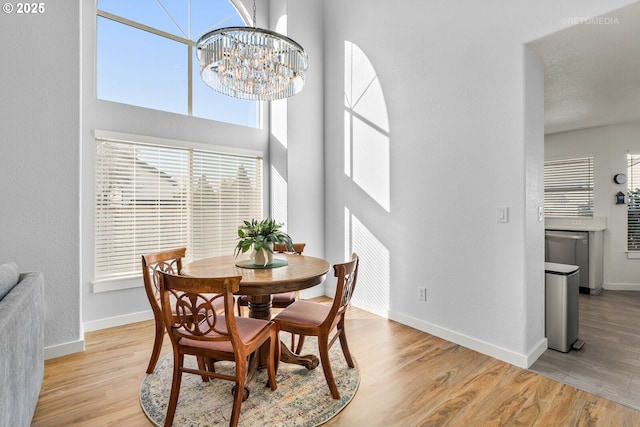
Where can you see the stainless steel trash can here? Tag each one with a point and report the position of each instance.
(561, 305)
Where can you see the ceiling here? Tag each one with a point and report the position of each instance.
(592, 72)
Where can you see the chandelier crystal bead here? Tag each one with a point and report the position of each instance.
(251, 63)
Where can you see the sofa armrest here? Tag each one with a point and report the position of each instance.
(21, 350)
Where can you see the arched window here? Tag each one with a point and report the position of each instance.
(146, 57)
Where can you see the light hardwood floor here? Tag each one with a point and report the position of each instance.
(408, 378)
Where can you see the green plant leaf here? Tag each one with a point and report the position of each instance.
(259, 234)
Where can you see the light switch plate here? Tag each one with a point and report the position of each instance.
(503, 214)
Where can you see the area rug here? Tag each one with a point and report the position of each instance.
(302, 398)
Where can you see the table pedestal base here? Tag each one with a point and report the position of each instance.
(309, 361)
(260, 308)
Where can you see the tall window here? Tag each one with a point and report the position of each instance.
(633, 206)
(146, 57)
(152, 197)
(568, 188)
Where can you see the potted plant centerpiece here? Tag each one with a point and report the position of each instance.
(261, 236)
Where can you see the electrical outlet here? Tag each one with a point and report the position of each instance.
(422, 294)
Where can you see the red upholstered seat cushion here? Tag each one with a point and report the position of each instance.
(284, 300)
(304, 313)
(247, 329)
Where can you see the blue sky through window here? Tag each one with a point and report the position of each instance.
(140, 68)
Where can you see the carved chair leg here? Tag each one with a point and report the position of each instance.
(202, 365)
(175, 389)
(323, 344)
(238, 394)
(272, 367)
(344, 345)
(157, 346)
(293, 341)
(211, 365)
(300, 344)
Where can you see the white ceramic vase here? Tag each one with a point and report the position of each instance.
(262, 257)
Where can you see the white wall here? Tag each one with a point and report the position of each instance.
(39, 117)
(305, 122)
(296, 140)
(609, 146)
(534, 202)
(463, 100)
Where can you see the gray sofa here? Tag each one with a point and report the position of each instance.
(21, 344)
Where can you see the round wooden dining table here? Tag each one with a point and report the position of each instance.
(299, 272)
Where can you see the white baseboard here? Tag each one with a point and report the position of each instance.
(537, 351)
(622, 286)
(110, 322)
(511, 357)
(63, 349)
(95, 325)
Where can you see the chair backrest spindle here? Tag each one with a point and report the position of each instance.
(347, 275)
(167, 261)
(191, 309)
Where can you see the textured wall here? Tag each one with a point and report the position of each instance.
(39, 161)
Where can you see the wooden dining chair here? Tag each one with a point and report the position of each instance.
(169, 261)
(216, 337)
(307, 318)
(277, 300)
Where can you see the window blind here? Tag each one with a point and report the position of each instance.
(568, 188)
(151, 198)
(633, 202)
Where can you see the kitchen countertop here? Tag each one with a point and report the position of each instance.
(572, 224)
(575, 228)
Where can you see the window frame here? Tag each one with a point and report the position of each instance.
(633, 180)
(133, 280)
(576, 185)
(190, 46)
(136, 25)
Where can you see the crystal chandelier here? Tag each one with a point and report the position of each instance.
(251, 63)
